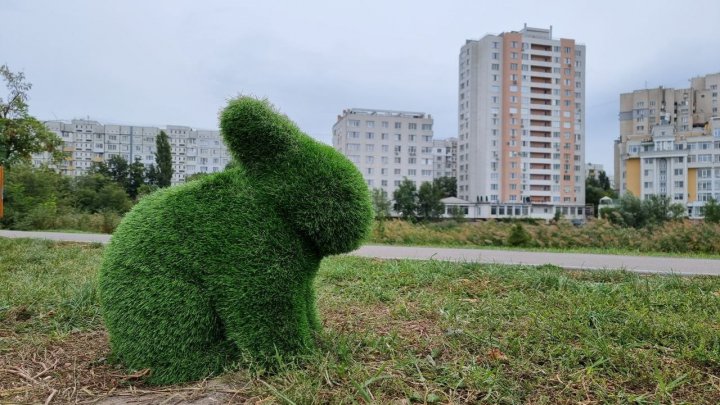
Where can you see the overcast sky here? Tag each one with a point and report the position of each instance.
(176, 62)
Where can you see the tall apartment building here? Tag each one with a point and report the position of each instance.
(669, 143)
(445, 157)
(387, 146)
(593, 169)
(522, 119)
(85, 142)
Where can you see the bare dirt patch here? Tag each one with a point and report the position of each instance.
(75, 370)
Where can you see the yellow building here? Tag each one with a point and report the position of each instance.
(669, 143)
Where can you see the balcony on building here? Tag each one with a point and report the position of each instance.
(541, 47)
(543, 145)
(537, 199)
(539, 134)
(539, 123)
(539, 102)
(536, 57)
(540, 155)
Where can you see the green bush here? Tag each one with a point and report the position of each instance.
(221, 268)
(519, 236)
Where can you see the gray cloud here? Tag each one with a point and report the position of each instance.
(176, 62)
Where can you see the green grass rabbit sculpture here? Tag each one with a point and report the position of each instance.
(198, 274)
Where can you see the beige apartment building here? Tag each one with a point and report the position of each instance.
(86, 141)
(445, 157)
(386, 146)
(669, 143)
(521, 115)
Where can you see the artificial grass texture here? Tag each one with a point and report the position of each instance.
(198, 275)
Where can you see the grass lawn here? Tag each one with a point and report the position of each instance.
(394, 332)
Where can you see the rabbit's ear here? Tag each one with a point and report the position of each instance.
(255, 132)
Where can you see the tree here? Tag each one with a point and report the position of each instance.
(21, 135)
(100, 168)
(97, 193)
(163, 160)
(405, 197)
(457, 213)
(381, 204)
(711, 211)
(629, 212)
(429, 205)
(654, 210)
(119, 170)
(31, 189)
(381, 207)
(597, 188)
(112, 197)
(447, 186)
(151, 175)
(136, 178)
(603, 181)
(677, 211)
(657, 209)
(128, 176)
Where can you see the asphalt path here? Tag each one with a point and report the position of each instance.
(580, 261)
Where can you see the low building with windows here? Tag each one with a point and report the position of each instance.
(86, 141)
(482, 210)
(387, 146)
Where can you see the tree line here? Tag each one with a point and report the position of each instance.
(413, 203)
(42, 198)
(35, 198)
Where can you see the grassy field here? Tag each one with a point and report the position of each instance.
(674, 238)
(394, 332)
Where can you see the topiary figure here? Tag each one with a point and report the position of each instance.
(198, 274)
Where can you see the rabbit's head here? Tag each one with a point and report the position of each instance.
(315, 187)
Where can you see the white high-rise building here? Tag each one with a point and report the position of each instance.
(85, 142)
(521, 110)
(387, 146)
(445, 155)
